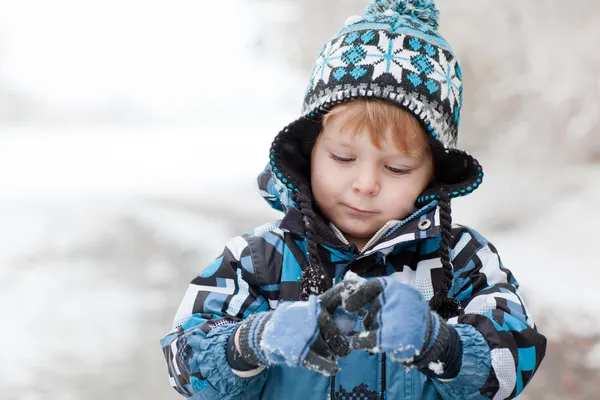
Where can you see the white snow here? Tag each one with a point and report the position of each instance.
(593, 357)
(404, 360)
(436, 367)
(194, 159)
(355, 282)
(352, 276)
(552, 253)
(344, 321)
(167, 57)
(52, 311)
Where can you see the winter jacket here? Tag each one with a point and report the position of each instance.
(501, 348)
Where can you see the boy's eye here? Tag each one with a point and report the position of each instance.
(398, 171)
(342, 159)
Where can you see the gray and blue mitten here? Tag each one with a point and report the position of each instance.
(400, 323)
(298, 334)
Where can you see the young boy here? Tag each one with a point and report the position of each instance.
(365, 178)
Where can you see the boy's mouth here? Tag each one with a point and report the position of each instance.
(360, 211)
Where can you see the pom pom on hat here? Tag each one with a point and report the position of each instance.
(423, 10)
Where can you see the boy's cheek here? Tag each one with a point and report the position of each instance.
(325, 182)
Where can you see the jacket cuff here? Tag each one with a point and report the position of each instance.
(212, 376)
(441, 358)
(234, 358)
(452, 356)
(251, 331)
(474, 367)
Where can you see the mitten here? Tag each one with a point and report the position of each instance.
(297, 334)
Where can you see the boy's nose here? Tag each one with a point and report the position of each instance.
(366, 182)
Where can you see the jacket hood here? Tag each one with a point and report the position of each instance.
(274, 191)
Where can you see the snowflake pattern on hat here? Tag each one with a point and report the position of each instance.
(394, 57)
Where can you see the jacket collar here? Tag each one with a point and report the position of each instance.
(422, 224)
(293, 222)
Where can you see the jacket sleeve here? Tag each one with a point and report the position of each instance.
(226, 292)
(501, 347)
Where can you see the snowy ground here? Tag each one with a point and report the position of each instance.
(99, 238)
(90, 285)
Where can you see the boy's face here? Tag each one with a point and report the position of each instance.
(360, 187)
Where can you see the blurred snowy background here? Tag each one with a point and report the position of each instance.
(131, 132)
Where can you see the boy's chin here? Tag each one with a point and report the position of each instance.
(364, 234)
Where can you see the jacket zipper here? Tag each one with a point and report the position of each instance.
(383, 372)
(378, 235)
(332, 384)
(392, 224)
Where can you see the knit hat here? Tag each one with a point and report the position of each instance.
(394, 53)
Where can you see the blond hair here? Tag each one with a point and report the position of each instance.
(377, 116)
